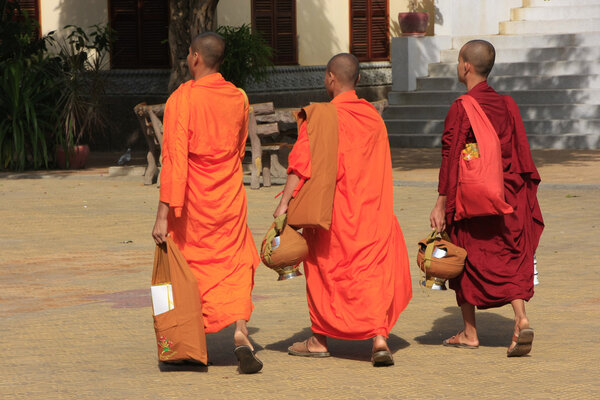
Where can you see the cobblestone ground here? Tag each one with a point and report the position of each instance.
(76, 319)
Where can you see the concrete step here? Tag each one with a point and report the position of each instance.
(533, 41)
(559, 96)
(559, 3)
(525, 68)
(528, 112)
(554, 13)
(505, 82)
(560, 141)
(572, 53)
(536, 127)
(550, 26)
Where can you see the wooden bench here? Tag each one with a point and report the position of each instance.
(263, 127)
(263, 124)
(149, 117)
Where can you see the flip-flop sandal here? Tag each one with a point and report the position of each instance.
(303, 351)
(447, 343)
(249, 364)
(382, 358)
(524, 342)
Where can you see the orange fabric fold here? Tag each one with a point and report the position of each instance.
(205, 131)
(357, 273)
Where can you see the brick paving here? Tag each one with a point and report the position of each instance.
(76, 319)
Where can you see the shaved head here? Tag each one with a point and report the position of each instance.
(211, 48)
(345, 67)
(480, 54)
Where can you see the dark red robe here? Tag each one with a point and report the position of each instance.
(500, 249)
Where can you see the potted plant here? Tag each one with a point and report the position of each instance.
(82, 57)
(414, 22)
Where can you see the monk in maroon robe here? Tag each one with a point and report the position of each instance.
(500, 248)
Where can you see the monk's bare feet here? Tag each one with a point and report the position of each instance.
(380, 344)
(317, 343)
(240, 336)
(462, 340)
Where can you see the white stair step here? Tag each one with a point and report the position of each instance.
(525, 68)
(535, 54)
(559, 96)
(504, 83)
(528, 111)
(554, 13)
(559, 3)
(533, 41)
(537, 127)
(552, 26)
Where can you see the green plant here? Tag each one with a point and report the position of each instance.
(28, 92)
(82, 57)
(247, 55)
(417, 6)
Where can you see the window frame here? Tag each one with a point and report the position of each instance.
(273, 39)
(369, 32)
(139, 64)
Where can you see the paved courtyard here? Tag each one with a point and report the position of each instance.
(75, 270)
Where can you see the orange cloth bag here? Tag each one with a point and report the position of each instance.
(480, 190)
(312, 206)
(179, 331)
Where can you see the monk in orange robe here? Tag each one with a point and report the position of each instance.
(202, 197)
(357, 272)
(500, 248)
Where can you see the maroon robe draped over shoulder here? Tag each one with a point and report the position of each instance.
(500, 249)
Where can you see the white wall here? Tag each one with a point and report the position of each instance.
(323, 29)
(472, 17)
(234, 12)
(55, 14)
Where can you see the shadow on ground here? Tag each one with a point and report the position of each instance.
(220, 352)
(358, 350)
(494, 330)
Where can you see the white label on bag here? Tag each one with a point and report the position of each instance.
(439, 253)
(162, 298)
(275, 243)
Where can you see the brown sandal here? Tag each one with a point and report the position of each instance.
(523, 343)
(382, 358)
(301, 349)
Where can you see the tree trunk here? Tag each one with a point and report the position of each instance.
(188, 18)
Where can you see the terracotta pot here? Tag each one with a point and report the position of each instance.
(413, 23)
(76, 160)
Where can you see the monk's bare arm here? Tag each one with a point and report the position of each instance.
(290, 185)
(437, 218)
(159, 233)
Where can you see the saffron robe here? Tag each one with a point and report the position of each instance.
(357, 272)
(205, 130)
(500, 248)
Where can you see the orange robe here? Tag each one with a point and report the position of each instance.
(357, 273)
(205, 130)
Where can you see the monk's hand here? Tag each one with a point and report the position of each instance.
(437, 218)
(159, 233)
(281, 209)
